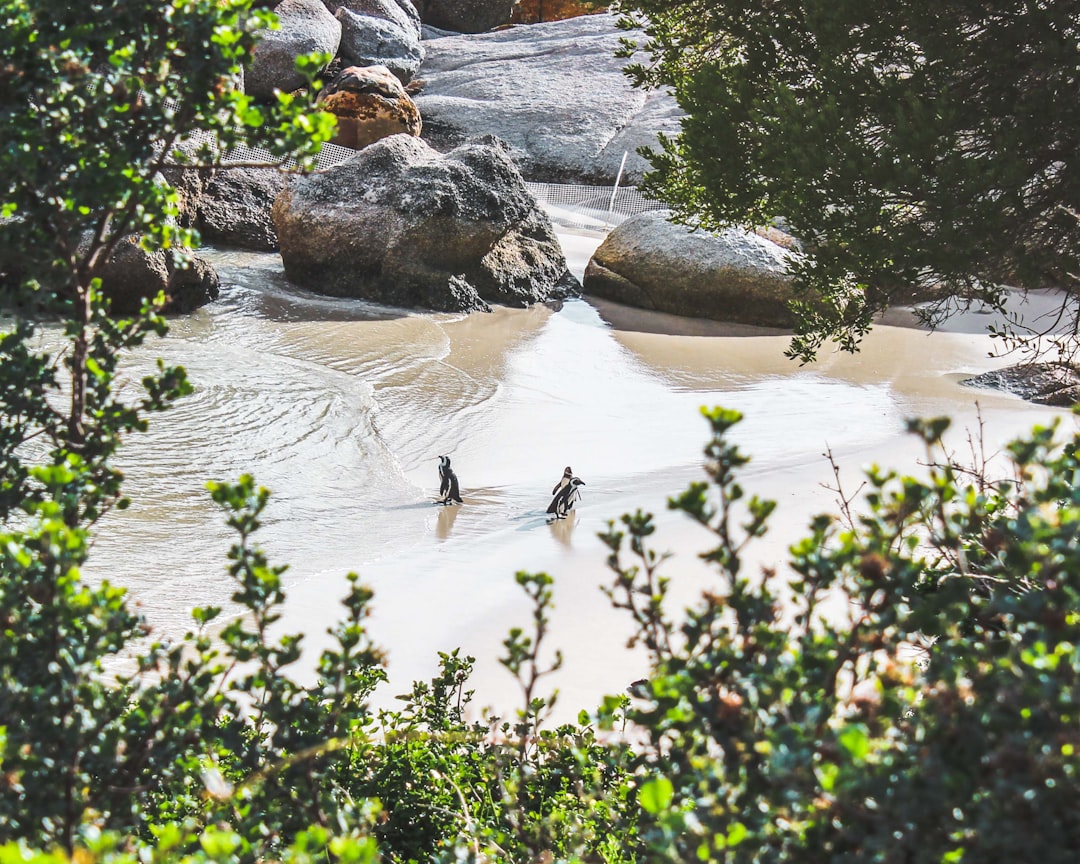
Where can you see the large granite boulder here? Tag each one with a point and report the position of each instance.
(466, 16)
(369, 103)
(370, 39)
(128, 278)
(650, 263)
(132, 276)
(554, 92)
(401, 224)
(234, 208)
(306, 26)
(1056, 384)
(400, 12)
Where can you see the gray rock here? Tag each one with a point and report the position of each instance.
(1056, 384)
(400, 12)
(650, 263)
(234, 209)
(306, 26)
(466, 16)
(554, 92)
(128, 278)
(370, 41)
(401, 224)
(188, 182)
(132, 276)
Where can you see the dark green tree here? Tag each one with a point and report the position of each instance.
(915, 148)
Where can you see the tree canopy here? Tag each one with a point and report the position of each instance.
(915, 148)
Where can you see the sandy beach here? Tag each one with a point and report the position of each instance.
(341, 409)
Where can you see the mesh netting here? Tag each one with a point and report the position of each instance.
(597, 208)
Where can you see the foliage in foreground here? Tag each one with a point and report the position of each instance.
(907, 144)
(911, 695)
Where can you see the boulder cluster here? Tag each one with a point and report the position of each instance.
(445, 108)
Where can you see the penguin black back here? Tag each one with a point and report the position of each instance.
(564, 499)
(448, 483)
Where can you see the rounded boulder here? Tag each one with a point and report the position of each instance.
(403, 225)
(650, 263)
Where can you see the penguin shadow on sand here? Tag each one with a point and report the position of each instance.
(444, 524)
(563, 529)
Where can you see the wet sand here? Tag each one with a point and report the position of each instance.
(341, 410)
(635, 446)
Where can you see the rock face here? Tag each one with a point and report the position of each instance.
(649, 263)
(306, 25)
(369, 103)
(383, 35)
(554, 92)
(400, 224)
(132, 275)
(234, 208)
(1056, 384)
(466, 16)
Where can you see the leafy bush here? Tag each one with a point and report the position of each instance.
(911, 695)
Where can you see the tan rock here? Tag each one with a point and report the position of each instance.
(370, 104)
(538, 11)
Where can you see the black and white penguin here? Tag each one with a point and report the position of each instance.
(566, 477)
(564, 499)
(448, 483)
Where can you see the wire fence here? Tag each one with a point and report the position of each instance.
(596, 208)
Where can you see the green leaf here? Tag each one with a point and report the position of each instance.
(656, 795)
(856, 741)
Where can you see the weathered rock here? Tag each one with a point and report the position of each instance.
(370, 41)
(466, 16)
(554, 92)
(1056, 384)
(306, 26)
(400, 12)
(188, 182)
(132, 276)
(369, 103)
(538, 11)
(234, 209)
(650, 263)
(401, 224)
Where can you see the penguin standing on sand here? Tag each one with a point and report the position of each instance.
(448, 483)
(564, 499)
(567, 475)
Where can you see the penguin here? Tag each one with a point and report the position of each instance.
(448, 483)
(564, 499)
(566, 477)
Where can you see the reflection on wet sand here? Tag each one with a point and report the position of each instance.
(445, 523)
(563, 529)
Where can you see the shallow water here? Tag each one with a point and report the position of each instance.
(340, 408)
